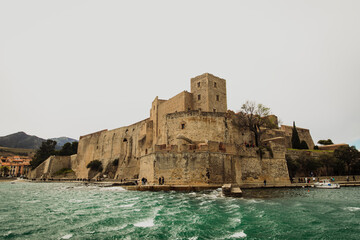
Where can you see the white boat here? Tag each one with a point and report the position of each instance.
(325, 183)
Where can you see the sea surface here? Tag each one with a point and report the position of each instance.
(77, 211)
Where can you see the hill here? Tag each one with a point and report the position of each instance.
(23, 140)
(62, 140)
(6, 152)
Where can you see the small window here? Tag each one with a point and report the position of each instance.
(217, 97)
(198, 84)
(215, 85)
(154, 107)
(214, 110)
(199, 109)
(182, 125)
(199, 97)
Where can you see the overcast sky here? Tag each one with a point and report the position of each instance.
(69, 68)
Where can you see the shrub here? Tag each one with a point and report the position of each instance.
(115, 162)
(95, 165)
(303, 145)
(63, 171)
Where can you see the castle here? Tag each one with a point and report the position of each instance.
(188, 139)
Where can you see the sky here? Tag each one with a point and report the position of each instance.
(69, 68)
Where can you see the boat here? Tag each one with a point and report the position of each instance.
(325, 183)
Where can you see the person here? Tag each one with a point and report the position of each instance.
(306, 180)
(354, 178)
(347, 178)
(159, 180)
(162, 180)
(264, 182)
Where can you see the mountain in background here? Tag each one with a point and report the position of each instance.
(22, 140)
(62, 140)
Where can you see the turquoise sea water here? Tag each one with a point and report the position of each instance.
(76, 211)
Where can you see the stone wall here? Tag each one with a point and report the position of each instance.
(197, 166)
(126, 144)
(188, 168)
(203, 127)
(50, 166)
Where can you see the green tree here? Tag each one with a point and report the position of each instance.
(4, 170)
(347, 155)
(329, 162)
(68, 149)
(325, 142)
(295, 140)
(253, 117)
(46, 149)
(95, 165)
(303, 145)
(293, 165)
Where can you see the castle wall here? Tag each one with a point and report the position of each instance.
(50, 166)
(188, 168)
(304, 134)
(203, 126)
(126, 144)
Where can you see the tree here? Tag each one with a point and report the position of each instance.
(253, 117)
(347, 155)
(95, 165)
(328, 161)
(46, 149)
(308, 163)
(68, 149)
(4, 170)
(325, 142)
(295, 140)
(303, 145)
(293, 165)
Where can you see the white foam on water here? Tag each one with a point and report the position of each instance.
(254, 201)
(352, 209)
(113, 189)
(67, 236)
(128, 205)
(137, 210)
(239, 235)
(75, 201)
(193, 238)
(146, 223)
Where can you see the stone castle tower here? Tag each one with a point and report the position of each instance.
(209, 93)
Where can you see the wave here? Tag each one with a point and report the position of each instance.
(352, 209)
(113, 189)
(146, 223)
(239, 235)
(67, 236)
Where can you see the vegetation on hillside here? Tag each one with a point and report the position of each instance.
(63, 171)
(47, 149)
(343, 161)
(325, 142)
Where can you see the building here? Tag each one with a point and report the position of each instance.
(17, 165)
(190, 138)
